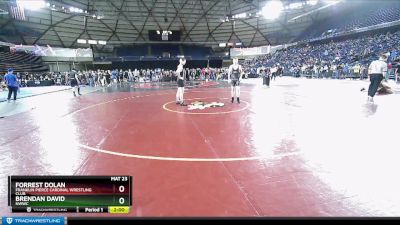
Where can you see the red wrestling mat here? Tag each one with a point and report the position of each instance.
(277, 153)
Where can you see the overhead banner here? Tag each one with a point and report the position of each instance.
(243, 52)
(263, 50)
(49, 51)
(5, 44)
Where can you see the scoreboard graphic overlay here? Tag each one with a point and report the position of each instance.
(75, 194)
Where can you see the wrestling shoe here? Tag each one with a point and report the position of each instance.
(238, 101)
(183, 104)
(233, 99)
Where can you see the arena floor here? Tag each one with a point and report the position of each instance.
(299, 148)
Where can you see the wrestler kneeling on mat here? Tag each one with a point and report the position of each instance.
(181, 84)
(235, 73)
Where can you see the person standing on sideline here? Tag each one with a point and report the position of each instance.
(12, 84)
(114, 76)
(274, 70)
(397, 72)
(377, 69)
(91, 81)
(130, 75)
(265, 76)
(74, 81)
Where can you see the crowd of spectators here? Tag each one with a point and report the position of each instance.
(335, 59)
(358, 15)
(107, 77)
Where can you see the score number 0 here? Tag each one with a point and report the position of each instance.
(121, 189)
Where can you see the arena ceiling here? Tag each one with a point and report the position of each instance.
(128, 21)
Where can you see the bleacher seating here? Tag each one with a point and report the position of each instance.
(359, 16)
(343, 54)
(197, 51)
(136, 50)
(157, 51)
(160, 49)
(22, 63)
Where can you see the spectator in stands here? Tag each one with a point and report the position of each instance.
(363, 72)
(397, 72)
(356, 70)
(389, 68)
(334, 55)
(12, 84)
(3, 86)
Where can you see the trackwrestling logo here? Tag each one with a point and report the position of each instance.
(33, 220)
(202, 105)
